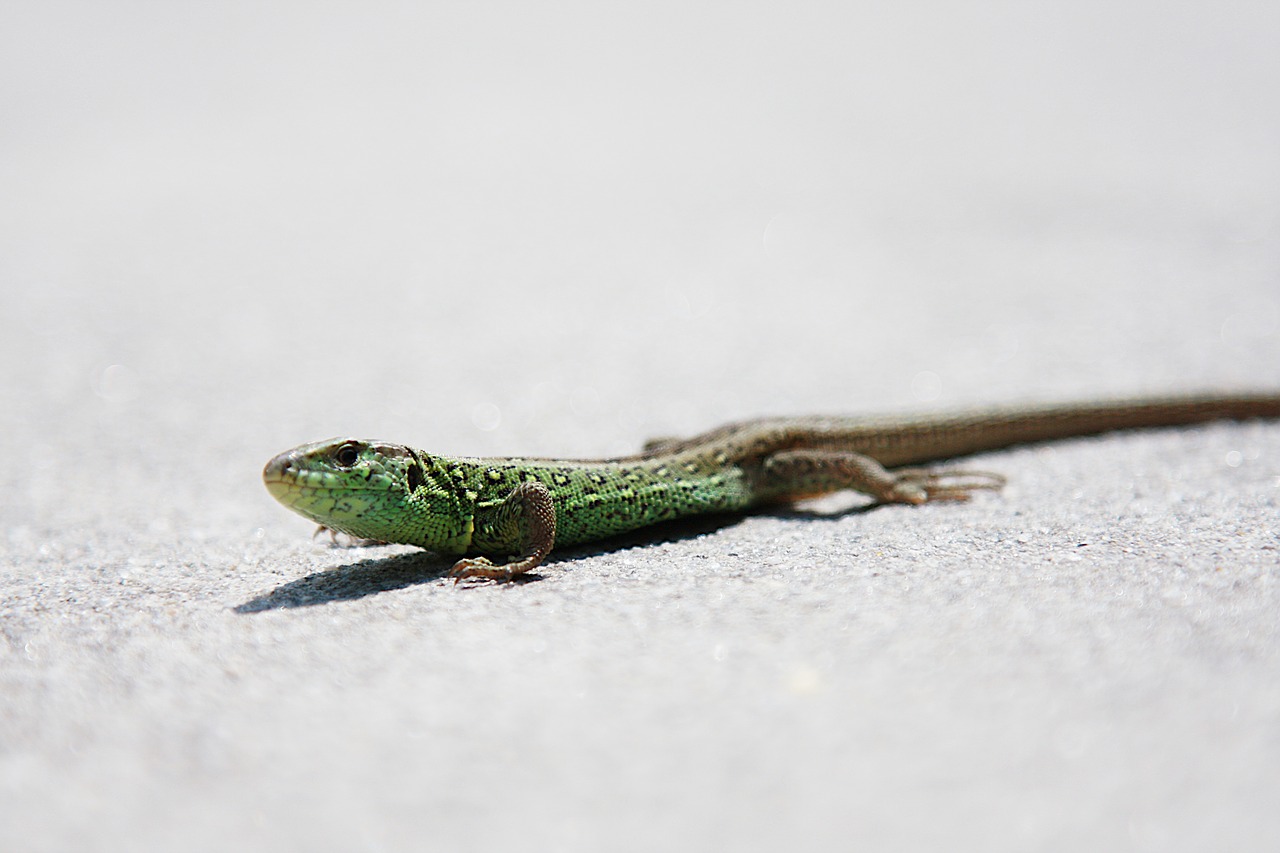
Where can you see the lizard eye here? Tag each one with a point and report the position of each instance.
(346, 456)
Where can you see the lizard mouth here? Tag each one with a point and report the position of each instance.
(290, 480)
(281, 479)
(281, 474)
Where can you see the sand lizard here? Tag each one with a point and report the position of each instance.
(518, 508)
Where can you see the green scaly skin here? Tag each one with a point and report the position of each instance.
(517, 509)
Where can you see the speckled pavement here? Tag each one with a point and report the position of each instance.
(561, 230)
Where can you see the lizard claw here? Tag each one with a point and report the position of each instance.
(479, 567)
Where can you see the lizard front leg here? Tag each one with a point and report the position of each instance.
(526, 518)
(795, 474)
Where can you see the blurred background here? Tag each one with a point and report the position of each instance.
(504, 214)
(563, 228)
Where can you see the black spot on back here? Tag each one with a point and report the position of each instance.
(415, 477)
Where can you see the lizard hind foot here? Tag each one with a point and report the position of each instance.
(923, 485)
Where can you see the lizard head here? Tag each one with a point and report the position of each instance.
(369, 489)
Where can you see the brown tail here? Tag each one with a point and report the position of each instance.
(933, 439)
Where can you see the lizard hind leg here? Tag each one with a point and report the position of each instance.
(796, 474)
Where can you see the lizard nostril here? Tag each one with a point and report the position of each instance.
(278, 465)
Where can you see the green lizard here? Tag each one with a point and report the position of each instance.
(519, 508)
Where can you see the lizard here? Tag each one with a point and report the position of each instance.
(487, 509)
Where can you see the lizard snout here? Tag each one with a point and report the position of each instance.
(276, 469)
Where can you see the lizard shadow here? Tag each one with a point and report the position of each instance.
(350, 582)
(701, 525)
(399, 571)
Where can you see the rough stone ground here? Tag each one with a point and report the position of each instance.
(563, 230)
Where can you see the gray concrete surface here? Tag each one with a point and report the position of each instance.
(564, 228)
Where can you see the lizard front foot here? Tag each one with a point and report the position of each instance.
(528, 516)
(485, 569)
